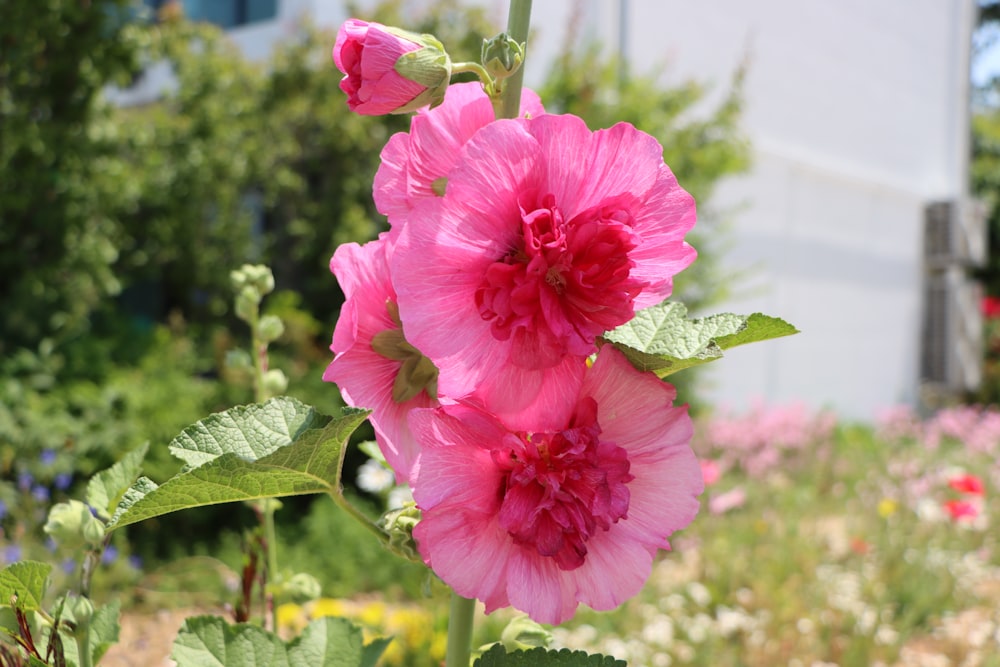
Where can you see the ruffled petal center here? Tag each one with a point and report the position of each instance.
(564, 283)
(559, 489)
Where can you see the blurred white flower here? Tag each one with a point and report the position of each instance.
(374, 477)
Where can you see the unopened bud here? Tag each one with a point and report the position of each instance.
(399, 524)
(275, 382)
(502, 56)
(247, 302)
(522, 633)
(270, 328)
(81, 609)
(72, 525)
(303, 587)
(238, 360)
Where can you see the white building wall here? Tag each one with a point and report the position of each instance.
(858, 114)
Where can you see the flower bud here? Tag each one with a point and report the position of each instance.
(81, 609)
(275, 382)
(502, 56)
(72, 525)
(270, 328)
(399, 524)
(247, 302)
(522, 633)
(389, 70)
(303, 587)
(238, 360)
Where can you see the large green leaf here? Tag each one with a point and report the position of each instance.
(309, 464)
(249, 431)
(209, 641)
(662, 339)
(540, 657)
(23, 584)
(106, 489)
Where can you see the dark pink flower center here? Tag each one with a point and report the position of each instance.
(565, 283)
(561, 488)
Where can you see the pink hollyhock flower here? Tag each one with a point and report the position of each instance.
(968, 484)
(415, 164)
(374, 366)
(710, 471)
(377, 79)
(549, 235)
(545, 520)
(961, 510)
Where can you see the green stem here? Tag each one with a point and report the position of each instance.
(475, 68)
(518, 20)
(259, 352)
(338, 497)
(459, 631)
(271, 537)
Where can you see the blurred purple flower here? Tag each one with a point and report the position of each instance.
(41, 493)
(135, 561)
(12, 553)
(68, 565)
(25, 480)
(50, 544)
(62, 481)
(48, 457)
(109, 555)
(3, 509)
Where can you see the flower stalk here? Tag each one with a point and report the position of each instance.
(518, 20)
(459, 631)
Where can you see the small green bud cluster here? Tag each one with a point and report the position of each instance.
(251, 282)
(398, 524)
(72, 525)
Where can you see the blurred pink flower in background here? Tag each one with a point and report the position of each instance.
(990, 306)
(730, 500)
(967, 484)
(710, 471)
(762, 438)
(962, 510)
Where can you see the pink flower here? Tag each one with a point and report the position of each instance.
(990, 307)
(544, 520)
(549, 235)
(710, 471)
(730, 500)
(374, 366)
(367, 54)
(961, 510)
(415, 164)
(968, 484)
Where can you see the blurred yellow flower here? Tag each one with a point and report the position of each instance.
(887, 507)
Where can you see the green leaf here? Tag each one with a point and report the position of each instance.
(373, 650)
(540, 657)
(310, 464)
(249, 431)
(106, 489)
(209, 641)
(104, 628)
(663, 340)
(27, 580)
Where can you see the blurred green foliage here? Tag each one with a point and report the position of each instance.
(119, 225)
